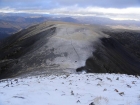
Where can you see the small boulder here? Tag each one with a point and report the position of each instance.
(92, 103)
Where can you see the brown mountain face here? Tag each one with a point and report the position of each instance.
(60, 47)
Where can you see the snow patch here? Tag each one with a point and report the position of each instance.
(71, 89)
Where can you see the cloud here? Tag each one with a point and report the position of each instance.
(113, 13)
(7, 10)
(115, 9)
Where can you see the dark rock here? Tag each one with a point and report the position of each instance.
(92, 103)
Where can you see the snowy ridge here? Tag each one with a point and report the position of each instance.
(73, 89)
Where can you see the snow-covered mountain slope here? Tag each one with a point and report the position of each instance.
(60, 47)
(73, 89)
(49, 46)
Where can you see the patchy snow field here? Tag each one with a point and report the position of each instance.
(73, 89)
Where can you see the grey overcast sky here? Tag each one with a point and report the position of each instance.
(115, 9)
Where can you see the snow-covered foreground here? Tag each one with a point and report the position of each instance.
(74, 89)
